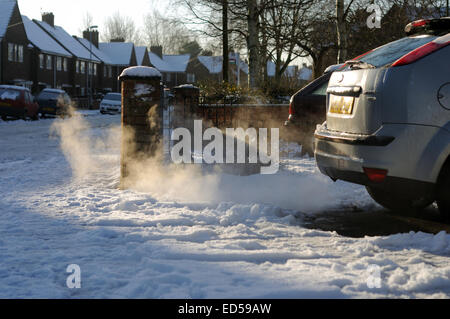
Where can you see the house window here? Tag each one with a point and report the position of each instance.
(190, 78)
(168, 77)
(20, 53)
(95, 69)
(77, 66)
(110, 71)
(59, 63)
(105, 71)
(41, 61)
(82, 67)
(65, 64)
(49, 62)
(10, 52)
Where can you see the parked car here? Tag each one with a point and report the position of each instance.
(307, 109)
(54, 102)
(388, 120)
(111, 104)
(17, 102)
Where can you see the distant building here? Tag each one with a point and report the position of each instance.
(15, 55)
(207, 68)
(172, 67)
(142, 56)
(49, 61)
(104, 80)
(80, 62)
(122, 56)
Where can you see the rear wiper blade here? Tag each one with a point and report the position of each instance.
(357, 64)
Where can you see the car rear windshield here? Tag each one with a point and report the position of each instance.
(393, 51)
(113, 97)
(49, 96)
(9, 94)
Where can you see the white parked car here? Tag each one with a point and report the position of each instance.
(111, 104)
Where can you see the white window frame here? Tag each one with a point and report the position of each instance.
(41, 61)
(49, 65)
(11, 52)
(58, 63)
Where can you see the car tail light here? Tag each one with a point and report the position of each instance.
(376, 175)
(423, 51)
(291, 107)
(416, 24)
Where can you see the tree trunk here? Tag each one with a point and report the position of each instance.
(341, 31)
(253, 43)
(225, 41)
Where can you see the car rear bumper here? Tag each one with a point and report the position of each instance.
(345, 156)
(398, 185)
(49, 110)
(11, 111)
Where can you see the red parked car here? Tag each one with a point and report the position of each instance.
(18, 103)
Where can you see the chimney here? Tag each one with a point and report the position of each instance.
(117, 40)
(91, 36)
(49, 18)
(158, 50)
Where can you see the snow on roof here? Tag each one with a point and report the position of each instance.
(141, 72)
(178, 63)
(270, 69)
(214, 63)
(69, 43)
(291, 70)
(140, 54)
(14, 87)
(305, 74)
(170, 63)
(99, 54)
(6, 10)
(40, 39)
(158, 63)
(118, 52)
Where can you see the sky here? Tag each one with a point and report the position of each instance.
(69, 14)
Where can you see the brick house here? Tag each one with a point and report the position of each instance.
(14, 51)
(122, 55)
(105, 79)
(209, 68)
(49, 61)
(172, 67)
(80, 62)
(142, 56)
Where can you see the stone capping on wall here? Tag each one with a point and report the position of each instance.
(139, 73)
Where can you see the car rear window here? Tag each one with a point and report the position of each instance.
(48, 96)
(113, 97)
(393, 51)
(9, 94)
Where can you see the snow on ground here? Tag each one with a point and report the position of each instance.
(217, 236)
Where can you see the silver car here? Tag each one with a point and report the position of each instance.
(111, 104)
(388, 120)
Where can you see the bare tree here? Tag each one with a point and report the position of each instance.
(87, 21)
(253, 43)
(120, 27)
(225, 48)
(169, 33)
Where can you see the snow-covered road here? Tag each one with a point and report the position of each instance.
(185, 234)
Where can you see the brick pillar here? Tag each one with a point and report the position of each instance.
(141, 117)
(186, 105)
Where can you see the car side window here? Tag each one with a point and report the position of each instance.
(321, 90)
